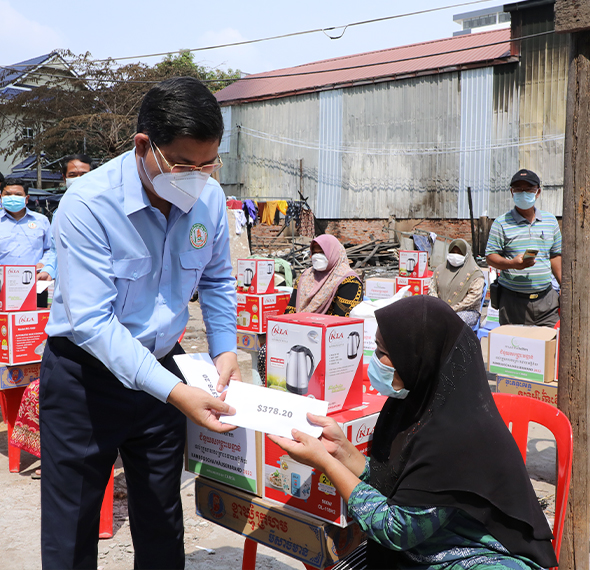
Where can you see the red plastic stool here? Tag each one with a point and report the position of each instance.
(10, 403)
(105, 530)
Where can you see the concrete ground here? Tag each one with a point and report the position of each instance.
(208, 546)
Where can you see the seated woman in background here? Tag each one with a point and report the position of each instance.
(328, 287)
(459, 282)
(446, 486)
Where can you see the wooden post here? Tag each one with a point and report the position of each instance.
(574, 357)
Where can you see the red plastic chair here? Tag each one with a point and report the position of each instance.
(10, 403)
(519, 411)
(105, 530)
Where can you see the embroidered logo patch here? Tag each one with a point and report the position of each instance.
(32, 225)
(198, 236)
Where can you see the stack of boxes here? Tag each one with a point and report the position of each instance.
(317, 356)
(22, 326)
(257, 299)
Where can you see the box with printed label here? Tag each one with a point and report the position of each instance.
(22, 336)
(18, 288)
(418, 285)
(304, 489)
(379, 288)
(254, 310)
(248, 341)
(318, 356)
(256, 276)
(18, 376)
(233, 458)
(543, 391)
(413, 263)
(316, 544)
(523, 352)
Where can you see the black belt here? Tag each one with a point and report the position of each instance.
(530, 296)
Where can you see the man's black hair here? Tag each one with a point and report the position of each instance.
(15, 182)
(81, 157)
(180, 107)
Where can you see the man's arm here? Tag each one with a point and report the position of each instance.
(518, 262)
(556, 267)
(50, 268)
(46, 242)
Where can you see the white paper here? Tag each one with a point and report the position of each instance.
(199, 371)
(42, 285)
(272, 411)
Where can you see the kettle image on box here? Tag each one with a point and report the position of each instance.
(299, 369)
(354, 341)
(27, 277)
(248, 275)
(410, 265)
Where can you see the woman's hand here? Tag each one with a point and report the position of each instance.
(332, 437)
(304, 448)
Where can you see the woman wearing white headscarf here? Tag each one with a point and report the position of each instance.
(459, 282)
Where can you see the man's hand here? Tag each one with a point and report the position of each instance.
(519, 262)
(44, 276)
(227, 366)
(39, 266)
(200, 407)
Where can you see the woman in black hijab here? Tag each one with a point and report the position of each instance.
(446, 486)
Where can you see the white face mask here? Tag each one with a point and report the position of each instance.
(181, 189)
(69, 182)
(319, 262)
(456, 259)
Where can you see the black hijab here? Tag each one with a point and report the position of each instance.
(446, 444)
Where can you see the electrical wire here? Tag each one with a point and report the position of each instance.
(293, 34)
(319, 71)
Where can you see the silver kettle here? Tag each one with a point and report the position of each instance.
(299, 369)
(410, 265)
(354, 341)
(248, 275)
(27, 277)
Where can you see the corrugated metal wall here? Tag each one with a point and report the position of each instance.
(330, 155)
(476, 138)
(411, 147)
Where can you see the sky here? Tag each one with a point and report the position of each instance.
(120, 28)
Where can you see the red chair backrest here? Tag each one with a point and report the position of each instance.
(519, 411)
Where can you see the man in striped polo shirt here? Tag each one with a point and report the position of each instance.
(525, 244)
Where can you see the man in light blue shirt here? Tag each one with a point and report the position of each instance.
(24, 234)
(134, 239)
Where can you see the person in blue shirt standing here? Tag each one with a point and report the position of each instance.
(134, 239)
(24, 234)
(74, 166)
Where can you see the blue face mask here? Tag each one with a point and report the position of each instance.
(13, 203)
(381, 377)
(525, 200)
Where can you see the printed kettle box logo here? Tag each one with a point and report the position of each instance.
(198, 236)
(26, 319)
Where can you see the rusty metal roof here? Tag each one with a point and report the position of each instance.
(449, 54)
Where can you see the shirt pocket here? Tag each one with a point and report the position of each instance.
(128, 274)
(192, 264)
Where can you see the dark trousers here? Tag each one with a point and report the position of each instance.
(86, 417)
(517, 310)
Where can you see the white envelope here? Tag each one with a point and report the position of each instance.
(272, 411)
(199, 371)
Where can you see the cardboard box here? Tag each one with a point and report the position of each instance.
(544, 391)
(248, 341)
(254, 310)
(319, 356)
(418, 285)
(256, 276)
(300, 537)
(523, 352)
(379, 288)
(18, 376)
(413, 263)
(18, 288)
(233, 458)
(22, 336)
(305, 490)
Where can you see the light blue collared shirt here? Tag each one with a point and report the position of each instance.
(26, 241)
(50, 256)
(126, 274)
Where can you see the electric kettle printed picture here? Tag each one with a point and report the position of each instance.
(27, 277)
(248, 275)
(299, 369)
(353, 343)
(410, 265)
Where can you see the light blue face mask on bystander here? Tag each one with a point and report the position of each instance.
(381, 377)
(525, 200)
(13, 203)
